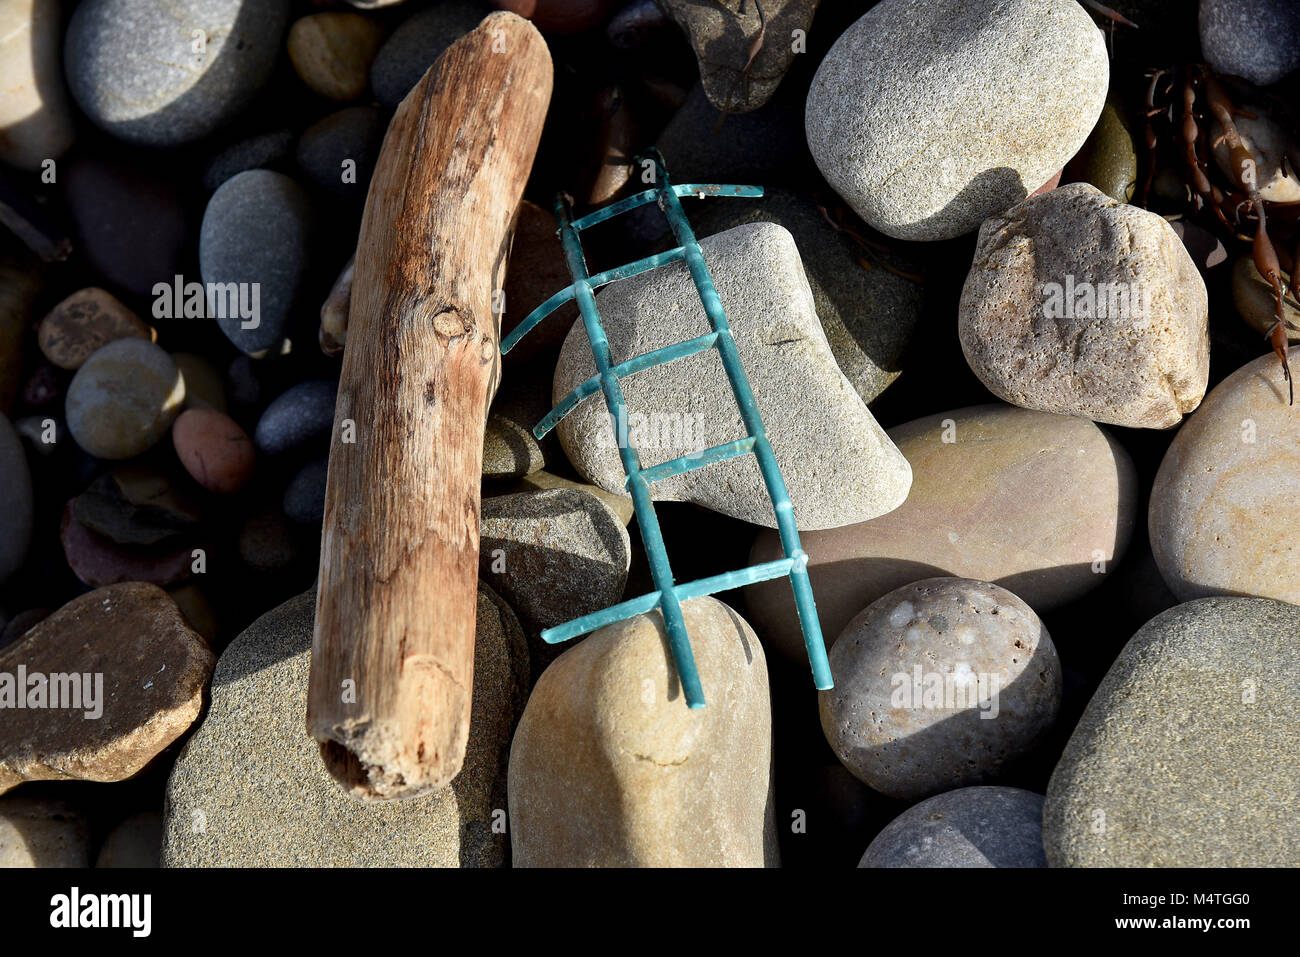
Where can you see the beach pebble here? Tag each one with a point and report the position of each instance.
(123, 399)
(413, 46)
(35, 115)
(940, 684)
(39, 832)
(196, 610)
(723, 37)
(1186, 756)
(203, 386)
(130, 225)
(332, 53)
(1079, 304)
(1221, 519)
(134, 70)
(85, 321)
(899, 113)
(300, 417)
(620, 505)
(135, 505)
(338, 152)
(233, 770)
(1108, 160)
(509, 449)
(135, 842)
(304, 499)
(257, 229)
(553, 554)
(98, 560)
(149, 673)
(1040, 504)
(266, 542)
(16, 516)
(868, 315)
(216, 452)
(816, 422)
(968, 827)
(648, 781)
(263, 151)
(1255, 39)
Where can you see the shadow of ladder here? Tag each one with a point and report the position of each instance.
(668, 596)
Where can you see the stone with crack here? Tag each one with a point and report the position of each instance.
(837, 462)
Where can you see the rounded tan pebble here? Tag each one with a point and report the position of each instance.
(83, 323)
(124, 398)
(332, 52)
(1223, 519)
(216, 452)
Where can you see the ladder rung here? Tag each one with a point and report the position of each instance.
(614, 209)
(697, 460)
(678, 350)
(685, 592)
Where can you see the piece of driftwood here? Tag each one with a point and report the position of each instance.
(393, 650)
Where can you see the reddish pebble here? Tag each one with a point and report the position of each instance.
(216, 452)
(559, 16)
(1050, 185)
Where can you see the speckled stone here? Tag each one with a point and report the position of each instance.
(817, 423)
(940, 684)
(1187, 755)
(124, 398)
(154, 668)
(413, 46)
(647, 781)
(250, 789)
(1256, 39)
(1135, 352)
(509, 449)
(1222, 521)
(134, 71)
(37, 832)
(900, 111)
(554, 554)
(722, 36)
(85, 321)
(868, 315)
(968, 827)
(257, 229)
(1040, 504)
(620, 505)
(35, 116)
(301, 416)
(16, 515)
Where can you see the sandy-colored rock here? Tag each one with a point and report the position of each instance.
(124, 398)
(35, 113)
(250, 788)
(610, 768)
(1187, 755)
(1222, 519)
(621, 505)
(817, 424)
(85, 321)
(332, 52)
(1040, 504)
(42, 833)
(940, 684)
(1079, 304)
(128, 675)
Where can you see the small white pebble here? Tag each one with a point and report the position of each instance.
(901, 615)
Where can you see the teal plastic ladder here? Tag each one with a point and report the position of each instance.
(668, 595)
